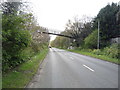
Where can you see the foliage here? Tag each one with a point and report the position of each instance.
(91, 40)
(109, 24)
(85, 33)
(99, 56)
(61, 42)
(112, 51)
(79, 29)
(11, 7)
(97, 52)
(20, 77)
(14, 40)
(19, 36)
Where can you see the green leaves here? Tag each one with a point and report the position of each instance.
(14, 39)
(112, 51)
(17, 35)
(91, 40)
(108, 21)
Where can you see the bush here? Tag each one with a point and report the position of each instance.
(97, 51)
(112, 51)
(27, 53)
(13, 47)
(14, 40)
(91, 40)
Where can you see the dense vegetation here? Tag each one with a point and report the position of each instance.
(21, 76)
(85, 32)
(110, 53)
(109, 23)
(23, 46)
(20, 39)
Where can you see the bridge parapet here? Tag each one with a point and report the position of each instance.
(53, 32)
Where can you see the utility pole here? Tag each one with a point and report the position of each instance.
(98, 43)
(69, 43)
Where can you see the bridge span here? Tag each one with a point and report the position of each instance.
(58, 33)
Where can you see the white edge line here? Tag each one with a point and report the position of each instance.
(88, 68)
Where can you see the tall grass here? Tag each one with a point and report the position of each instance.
(110, 53)
(20, 76)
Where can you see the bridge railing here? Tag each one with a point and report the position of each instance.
(52, 32)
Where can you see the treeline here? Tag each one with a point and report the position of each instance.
(85, 31)
(20, 37)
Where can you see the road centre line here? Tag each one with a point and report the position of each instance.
(71, 57)
(88, 68)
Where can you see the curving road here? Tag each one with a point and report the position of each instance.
(63, 69)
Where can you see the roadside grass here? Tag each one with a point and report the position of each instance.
(20, 77)
(102, 57)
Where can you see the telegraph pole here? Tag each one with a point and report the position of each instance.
(98, 43)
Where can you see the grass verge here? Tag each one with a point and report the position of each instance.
(102, 57)
(21, 76)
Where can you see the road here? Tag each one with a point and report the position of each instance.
(63, 69)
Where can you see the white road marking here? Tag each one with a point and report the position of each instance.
(88, 68)
(71, 57)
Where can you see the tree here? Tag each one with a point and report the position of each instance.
(18, 34)
(39, 39)
(79, 29)
(14, 39)
(11, 7)
(91, 40)
(109, 25)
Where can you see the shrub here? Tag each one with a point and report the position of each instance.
(14, 40)
(91, 40)
(112, 51)
(12, 48)
(97, 51)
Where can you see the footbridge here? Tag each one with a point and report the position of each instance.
(55, 32)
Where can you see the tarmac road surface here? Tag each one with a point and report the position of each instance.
(64, 69)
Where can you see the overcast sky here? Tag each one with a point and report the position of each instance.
(54, 14)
